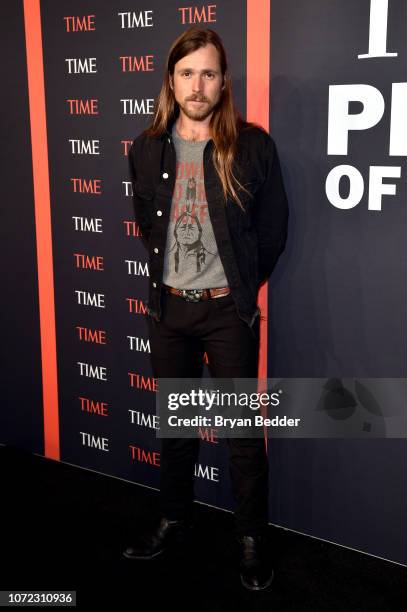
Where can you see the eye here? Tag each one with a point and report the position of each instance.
(186, 73)
(210, 75)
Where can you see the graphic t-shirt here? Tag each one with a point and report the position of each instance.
(191, 259)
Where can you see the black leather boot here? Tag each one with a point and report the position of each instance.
(152, 544)
(256, 572)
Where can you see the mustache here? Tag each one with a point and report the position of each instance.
(199, 99)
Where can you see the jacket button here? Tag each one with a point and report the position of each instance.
(154, 284)
(155, 250)
(159, 213)
(165, 175)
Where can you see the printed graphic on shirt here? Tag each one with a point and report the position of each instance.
(189, 247)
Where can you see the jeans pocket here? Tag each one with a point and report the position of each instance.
(224, 302)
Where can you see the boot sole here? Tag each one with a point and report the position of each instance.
(143, 558)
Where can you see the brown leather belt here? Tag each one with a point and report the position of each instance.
(197, 295)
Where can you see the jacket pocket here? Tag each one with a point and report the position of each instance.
(143, 198)
(143, 191)
(247, 195)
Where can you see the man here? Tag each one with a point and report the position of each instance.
(212, 242)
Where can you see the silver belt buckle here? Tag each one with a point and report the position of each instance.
(192, 295)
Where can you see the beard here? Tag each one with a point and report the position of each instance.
(200, 113)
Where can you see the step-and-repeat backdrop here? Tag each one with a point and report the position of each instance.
(336, 301)
(103, 66)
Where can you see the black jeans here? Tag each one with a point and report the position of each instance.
(177, 343)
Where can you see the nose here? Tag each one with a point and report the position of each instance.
(197, 83)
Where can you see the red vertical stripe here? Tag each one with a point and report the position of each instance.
(36, 92)
(258, 104)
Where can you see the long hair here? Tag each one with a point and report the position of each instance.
(225, 122)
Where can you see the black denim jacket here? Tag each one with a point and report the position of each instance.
(249, 243)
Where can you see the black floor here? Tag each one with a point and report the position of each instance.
(65, 527)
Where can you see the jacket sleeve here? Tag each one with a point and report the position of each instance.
(141, 205)
(270, 214)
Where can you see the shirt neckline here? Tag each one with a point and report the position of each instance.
(193, 143)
